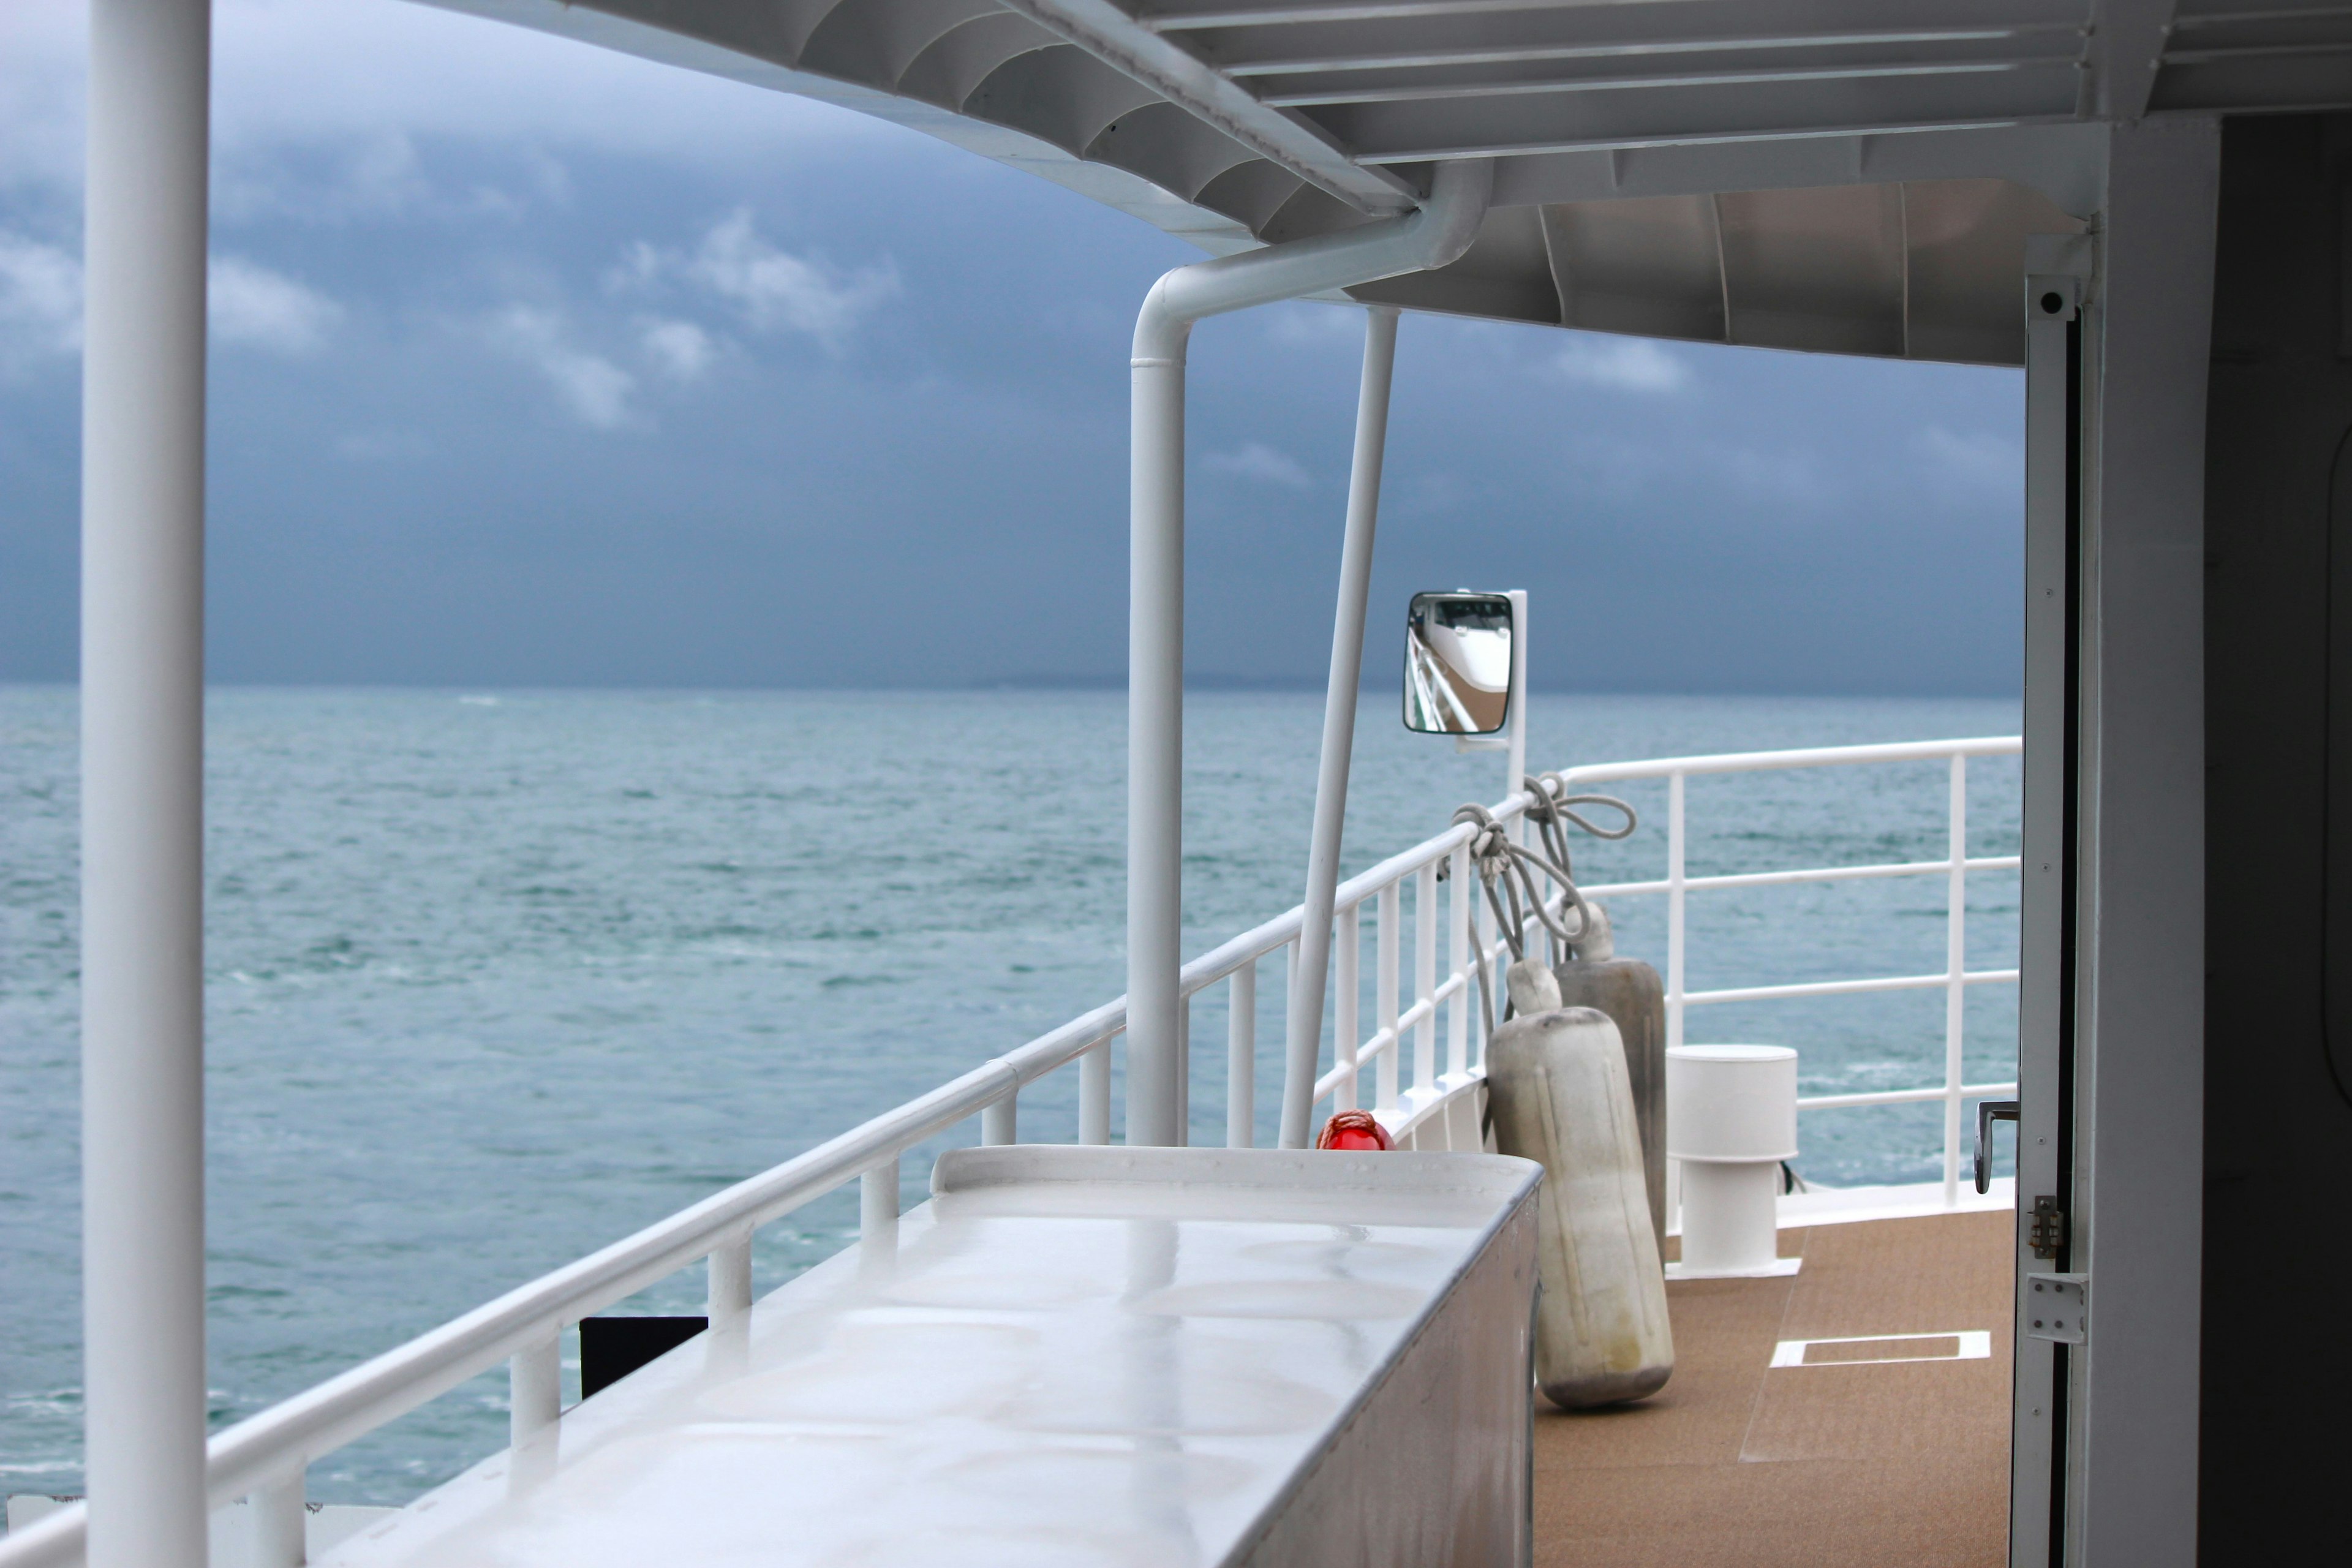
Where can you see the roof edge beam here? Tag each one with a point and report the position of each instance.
(1127, 45)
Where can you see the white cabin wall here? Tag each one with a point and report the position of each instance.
(2138, 1149)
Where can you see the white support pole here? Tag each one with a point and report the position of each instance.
(1384, 994)
(1515, 755)
(142, 781)
(1433, 235)
(1676, 880)
(1155, 746)
(1304, 1035)
(1241, 1058)
(1956, 956)
(1463, 959)
(1424, 977)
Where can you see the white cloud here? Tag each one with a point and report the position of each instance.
(307, 72)
(1620, 364)
(773, 290)
(592, 387)
(1974, 458)
(681, 350)
(253, 307)
(1256, 460)
(40, 301)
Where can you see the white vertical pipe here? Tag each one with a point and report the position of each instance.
(142, 781)
(1515, 755)
(1346, 1039)
(280, 1525)
(1384, 994)
(1094, 1095)
(1183, 1070)
(1433, 236)
(1956, 956)
(1464, 957)
(999, 1122)
(878, 1208)
(1425, 976)
(534, 1390)
(730, 1283)
(1241, 1059)
(1304, 1033)
(1155, 744)
(1675, 894)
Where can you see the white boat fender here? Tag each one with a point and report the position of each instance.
(1557, 1084)
(1630, 993)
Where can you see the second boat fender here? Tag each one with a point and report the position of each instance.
(1630, 993)
(1557, 1082)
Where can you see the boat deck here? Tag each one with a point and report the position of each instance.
(1853, 1457)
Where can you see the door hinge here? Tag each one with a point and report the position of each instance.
(2045, 1232)
(2058, 1307)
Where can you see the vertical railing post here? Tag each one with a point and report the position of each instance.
(1346, 1040)
(1956, 959)
(730, 1283)
(1000, 1121)
(1094, 1095)
(143, 692)
(877, 1209)
(1183, 1070)
(1241, 1058)
(279, 1523)
(1459, 906)
(1675, 892)
(535, 1389)
(1425, 976)
(1384, 996)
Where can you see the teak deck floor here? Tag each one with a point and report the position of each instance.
(1737, 1462)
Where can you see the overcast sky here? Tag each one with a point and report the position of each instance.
(536, 364)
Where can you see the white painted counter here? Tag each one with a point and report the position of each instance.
(1071, 1356)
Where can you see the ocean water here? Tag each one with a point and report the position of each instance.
(495, 978)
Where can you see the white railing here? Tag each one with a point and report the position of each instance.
(1402, 1111)
(1954, 868)
(262, 1460)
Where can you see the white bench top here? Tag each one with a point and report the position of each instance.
(1072, 1355)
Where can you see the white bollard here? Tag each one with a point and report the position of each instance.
(1731, 1119)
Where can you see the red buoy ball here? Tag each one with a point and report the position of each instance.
(1354, 1130)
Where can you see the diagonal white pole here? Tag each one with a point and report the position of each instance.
(1304, 1037)
(142, 781)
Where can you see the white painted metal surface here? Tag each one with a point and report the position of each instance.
(142, 663)
(1854, 177)
(1072, 1356)
(1305, 1033)
(1429, 237)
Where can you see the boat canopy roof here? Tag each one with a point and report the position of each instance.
(1848, 176)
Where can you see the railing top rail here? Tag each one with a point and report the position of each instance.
(1803, 757)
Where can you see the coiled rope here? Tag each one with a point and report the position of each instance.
(1508, 871)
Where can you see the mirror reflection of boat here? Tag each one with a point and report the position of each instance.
(1458, 660)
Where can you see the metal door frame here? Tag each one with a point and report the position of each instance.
(2058, 394)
